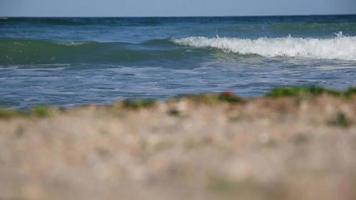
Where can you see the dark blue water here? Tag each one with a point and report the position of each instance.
(76, 61)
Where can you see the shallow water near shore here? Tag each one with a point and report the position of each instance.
(75, 61)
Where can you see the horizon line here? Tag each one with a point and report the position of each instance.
(184, 16)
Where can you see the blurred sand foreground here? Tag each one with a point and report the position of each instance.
(286, 148)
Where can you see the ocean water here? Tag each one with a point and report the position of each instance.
(76, 61)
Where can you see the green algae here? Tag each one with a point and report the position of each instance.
(41, 111)
(301, 91)
(226, 97)
(309, 91)
(137, 104)
(7, 113)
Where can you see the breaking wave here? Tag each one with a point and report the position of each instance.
(339, 47)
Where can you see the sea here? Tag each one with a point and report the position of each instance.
(70, 62)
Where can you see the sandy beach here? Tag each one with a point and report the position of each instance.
(200, 147)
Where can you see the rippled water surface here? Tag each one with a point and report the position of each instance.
(76, 61)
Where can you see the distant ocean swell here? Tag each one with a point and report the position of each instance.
(286, 23)
(340, 47)
(14, 51)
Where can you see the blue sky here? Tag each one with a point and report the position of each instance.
(174, 7)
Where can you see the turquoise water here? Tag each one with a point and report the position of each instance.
(76, 61)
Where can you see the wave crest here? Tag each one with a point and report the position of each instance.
(28, 51)
(340, 47)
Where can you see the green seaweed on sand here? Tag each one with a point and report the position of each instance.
(227, 97)
(41, 111)
(350, 92)
(309, 91)
(7, 113)
(137, 104)
(301, 91)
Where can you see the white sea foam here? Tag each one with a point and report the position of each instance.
(340, 47)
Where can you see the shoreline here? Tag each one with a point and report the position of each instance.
(295, 143)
